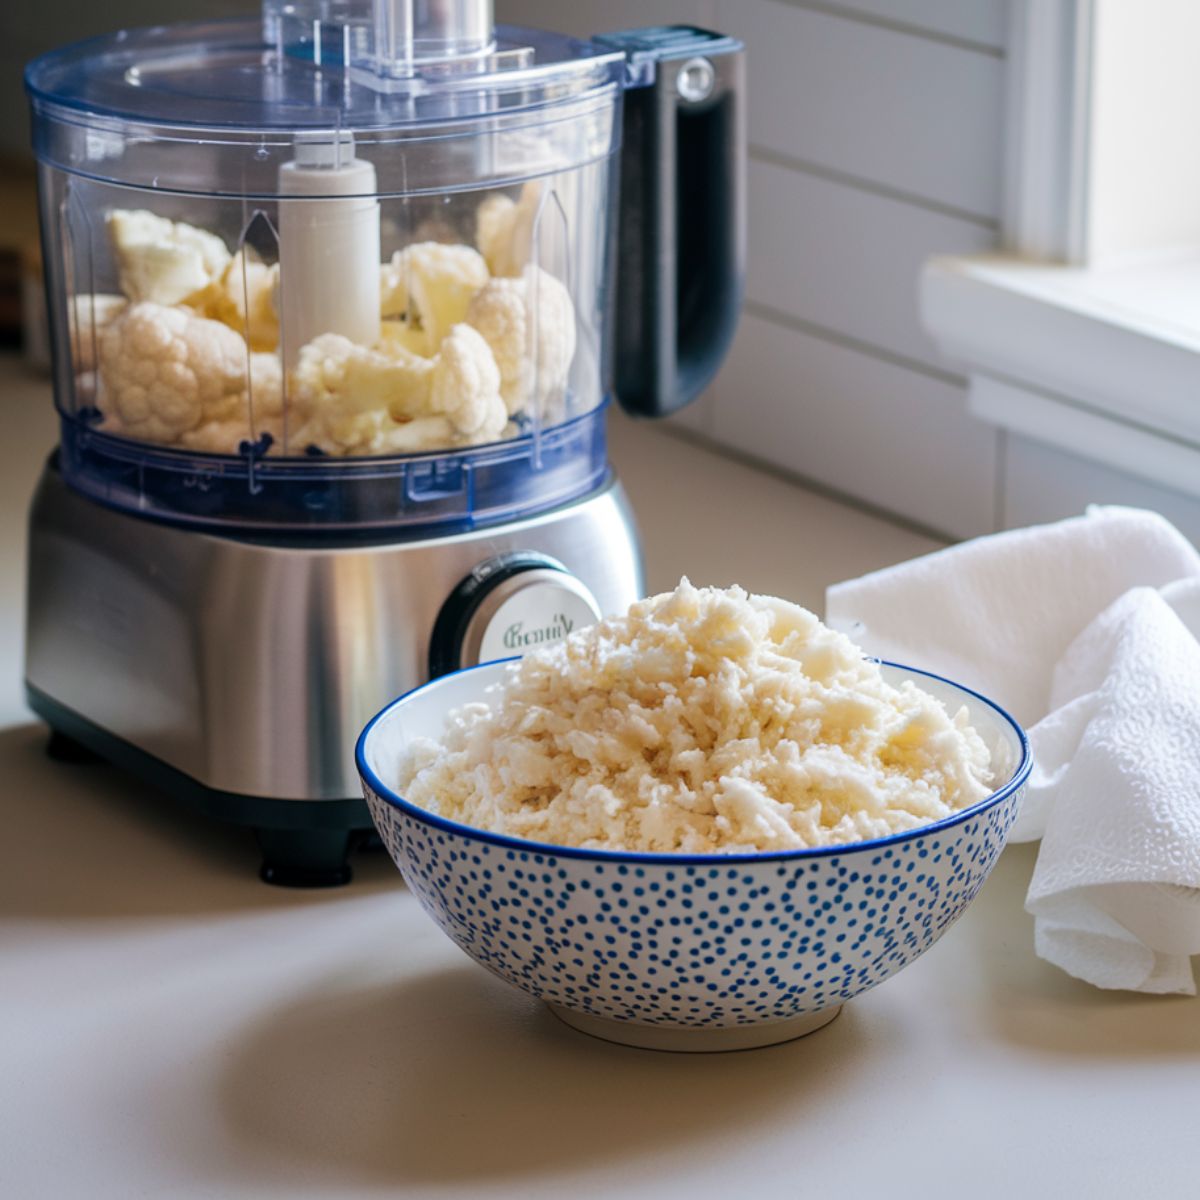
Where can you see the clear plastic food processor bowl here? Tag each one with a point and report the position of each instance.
(345, 267)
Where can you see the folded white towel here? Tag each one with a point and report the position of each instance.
(1087, 630)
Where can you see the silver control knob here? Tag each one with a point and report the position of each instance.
(506, 606)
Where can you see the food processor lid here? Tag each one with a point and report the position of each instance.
(357, 65)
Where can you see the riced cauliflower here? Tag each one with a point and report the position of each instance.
(529, 322)
(161, 260)
(702, 721)
(431, 284)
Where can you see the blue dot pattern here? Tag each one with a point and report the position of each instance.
(711, 946)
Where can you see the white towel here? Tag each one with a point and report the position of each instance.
(1087, 631)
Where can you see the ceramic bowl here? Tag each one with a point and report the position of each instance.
(688, 952)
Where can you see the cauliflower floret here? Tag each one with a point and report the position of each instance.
(244, 298)
(161, 260)
(352, 399)
(466, 385)
(372, 432)
(394, 335)
(412, 437)
(428, 433)
(388, 377)
(534, 357)
(342, 392)
(431, 284)
(336, 432)
(88, 316)
(226, 437)
(504, 229)
(165, 371)
(262, 412)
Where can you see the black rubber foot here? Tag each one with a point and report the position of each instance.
(369, 841)
(64, 749)
(305, 858)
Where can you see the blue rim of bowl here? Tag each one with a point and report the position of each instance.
(666, 857)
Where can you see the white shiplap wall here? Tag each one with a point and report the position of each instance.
(1045, 484)
(876, 140)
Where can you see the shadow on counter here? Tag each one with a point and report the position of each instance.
(1034, 1006)
(89, 842)
(453, 1077)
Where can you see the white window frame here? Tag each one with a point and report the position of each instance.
(1064, 340)
(1045, 165)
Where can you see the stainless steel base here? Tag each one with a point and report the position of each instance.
(250, 667)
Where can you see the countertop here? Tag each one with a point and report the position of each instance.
(171, 1027)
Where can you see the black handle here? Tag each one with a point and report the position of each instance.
(681, 245)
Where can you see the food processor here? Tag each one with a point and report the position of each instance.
(337, 299)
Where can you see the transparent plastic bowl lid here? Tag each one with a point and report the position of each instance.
(254, 77)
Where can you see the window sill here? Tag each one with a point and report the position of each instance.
(1103, 363)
